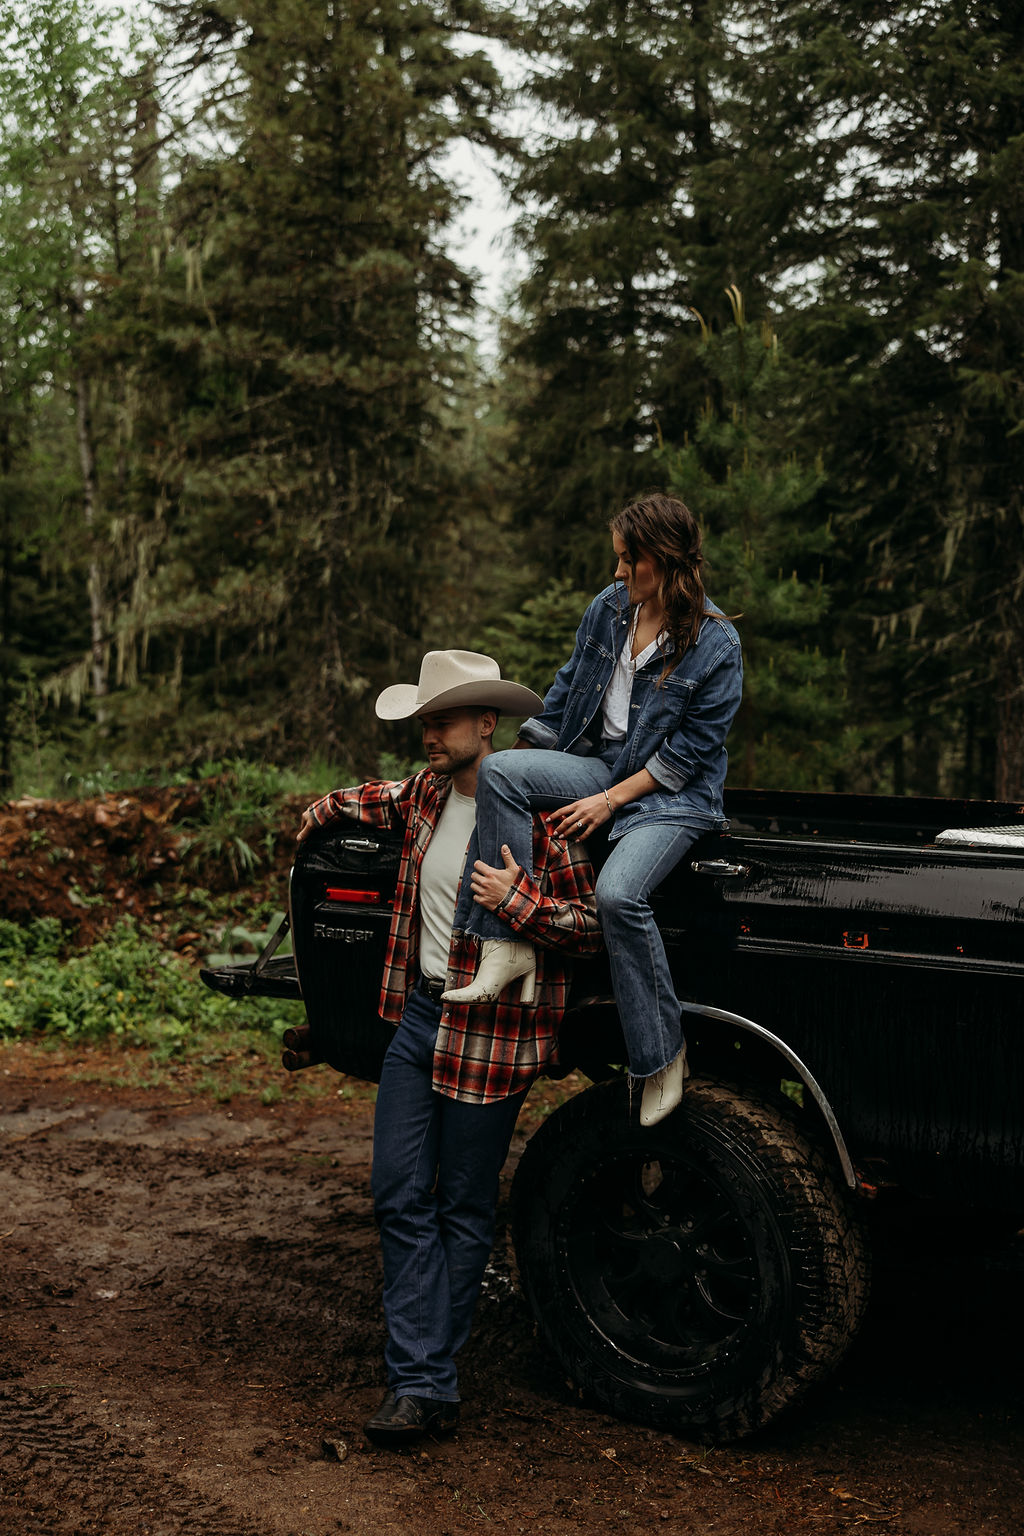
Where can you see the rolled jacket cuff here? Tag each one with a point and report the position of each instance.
(672, 779)
(325, 809)
(536, 734)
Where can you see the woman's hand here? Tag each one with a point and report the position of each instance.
(581, 817)
(489, 885)
(308, 824)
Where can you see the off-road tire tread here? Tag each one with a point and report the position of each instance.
(823, 1235)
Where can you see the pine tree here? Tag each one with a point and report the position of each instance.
(292, 408)
(766, 544)
(63, 99)
(914, 314)
(625, 218)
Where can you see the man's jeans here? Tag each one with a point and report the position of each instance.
(436, 1163)
(510, 787)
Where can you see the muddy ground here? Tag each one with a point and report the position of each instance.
(189, 1307)
(189, 1301)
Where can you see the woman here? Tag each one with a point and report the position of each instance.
(633, 733)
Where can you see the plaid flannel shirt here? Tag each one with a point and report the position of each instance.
(484, 1052)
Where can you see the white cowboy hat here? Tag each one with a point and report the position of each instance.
(457, 680)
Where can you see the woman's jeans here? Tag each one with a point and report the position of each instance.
(510, 787)
(436, 1163)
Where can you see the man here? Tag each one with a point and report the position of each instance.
(455, 1074)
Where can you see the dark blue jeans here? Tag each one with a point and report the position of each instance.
(436, 1163)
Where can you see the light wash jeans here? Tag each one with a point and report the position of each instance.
(510, 787)
(436, 1163)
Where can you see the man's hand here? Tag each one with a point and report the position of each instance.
(307, 824)
(490, 886)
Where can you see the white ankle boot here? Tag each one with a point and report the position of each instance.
(663, 1091)
(501, 962)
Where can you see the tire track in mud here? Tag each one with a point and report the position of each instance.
(227, 1298)
(299, 1312)
(191, 1273)
(63, 1475)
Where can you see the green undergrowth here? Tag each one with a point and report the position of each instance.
(247, 785)
(126, 988)
(129, 1012)
(234, 825)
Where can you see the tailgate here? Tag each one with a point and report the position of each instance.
(278, 979)
(342, 888)
(262, 977)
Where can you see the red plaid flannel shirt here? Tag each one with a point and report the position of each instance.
(484, 1052)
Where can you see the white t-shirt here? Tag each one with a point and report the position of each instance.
(440, 874)
(615, 710)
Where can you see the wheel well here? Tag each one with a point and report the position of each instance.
(719, 1044)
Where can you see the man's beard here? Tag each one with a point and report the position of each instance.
(454, 761)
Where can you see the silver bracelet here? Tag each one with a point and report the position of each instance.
(608, 803)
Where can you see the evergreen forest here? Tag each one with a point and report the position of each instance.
(254, 458)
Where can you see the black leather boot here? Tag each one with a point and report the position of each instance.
(404, 1420)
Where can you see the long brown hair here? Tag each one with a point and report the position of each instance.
(664, 528)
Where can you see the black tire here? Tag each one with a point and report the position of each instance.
(698, 1276)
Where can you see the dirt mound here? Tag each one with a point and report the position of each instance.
(90, 862)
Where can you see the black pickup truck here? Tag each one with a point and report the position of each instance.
(854, 974)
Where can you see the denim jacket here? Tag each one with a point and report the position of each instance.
(677, 728)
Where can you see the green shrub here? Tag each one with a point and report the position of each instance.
(236, 824)
(43, 936)
(125, 986)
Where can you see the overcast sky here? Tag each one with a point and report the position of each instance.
(482, 235)
(482, 239)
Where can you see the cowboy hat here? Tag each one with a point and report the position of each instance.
(456, 680)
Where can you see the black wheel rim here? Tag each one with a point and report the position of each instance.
(663, 1259)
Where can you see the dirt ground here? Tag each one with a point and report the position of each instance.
(190, 1328)
(189, 1309)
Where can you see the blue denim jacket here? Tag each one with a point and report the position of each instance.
(677, 728)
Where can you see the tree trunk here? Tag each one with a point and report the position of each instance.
(6, 615)
(90, 505)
